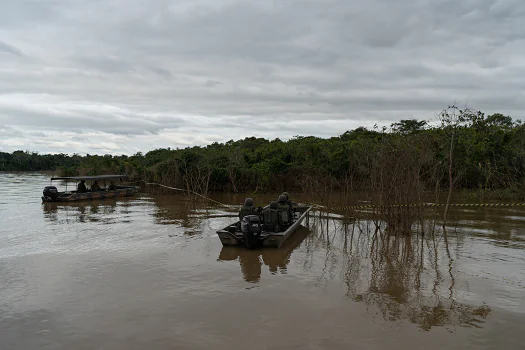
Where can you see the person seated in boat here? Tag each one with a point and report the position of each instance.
(81, 188)
(112, 186)
(287, 198)
(271, 217)
(248, 208)
(95, 187)
(285, 217)
(290, 203)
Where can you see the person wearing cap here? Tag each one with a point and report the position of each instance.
(81, 188)
(287, 198)
(95, 187)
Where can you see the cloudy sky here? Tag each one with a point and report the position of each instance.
(121, 76)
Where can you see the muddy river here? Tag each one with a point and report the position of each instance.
(149, 272)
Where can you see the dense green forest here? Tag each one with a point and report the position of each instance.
(462, 148)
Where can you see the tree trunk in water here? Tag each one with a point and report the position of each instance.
(232, 175)
(451, 184)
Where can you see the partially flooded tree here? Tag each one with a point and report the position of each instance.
(452, 119)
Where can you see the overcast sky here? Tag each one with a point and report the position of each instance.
(122, 76)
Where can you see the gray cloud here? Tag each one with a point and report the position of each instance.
(103, 64)
(6, 48)
(140, 74)
(212, 83)
(37, 134)
(9, 132)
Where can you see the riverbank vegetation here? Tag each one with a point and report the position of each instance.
(461, 149)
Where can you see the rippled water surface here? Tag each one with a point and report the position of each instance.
(149, 272)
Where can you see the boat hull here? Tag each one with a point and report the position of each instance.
(86, 196)
(230, 236)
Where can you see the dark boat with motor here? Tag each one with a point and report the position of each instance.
(81, 193)
(270, 226)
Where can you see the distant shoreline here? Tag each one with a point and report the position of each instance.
(467, 151)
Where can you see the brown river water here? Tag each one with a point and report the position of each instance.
(149, 272)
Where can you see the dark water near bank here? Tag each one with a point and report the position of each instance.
(150, 272)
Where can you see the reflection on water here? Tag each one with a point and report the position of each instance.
(180, 212)
(105, 211)
(410, 278)
(404, 278)
(192, 217)
(251, 261)
(150, 270)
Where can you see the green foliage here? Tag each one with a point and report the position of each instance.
(488, 153)
(410, 126)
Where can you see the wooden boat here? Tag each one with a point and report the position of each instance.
(51, 194)
(232, 234)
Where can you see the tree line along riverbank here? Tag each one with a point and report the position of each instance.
(460, 149)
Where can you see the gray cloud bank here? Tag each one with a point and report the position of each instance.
(124, 76)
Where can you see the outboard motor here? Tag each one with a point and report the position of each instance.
(251, 228)
(50, 194)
